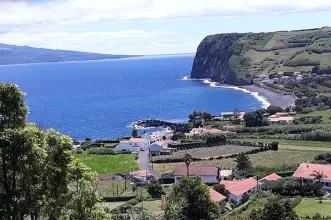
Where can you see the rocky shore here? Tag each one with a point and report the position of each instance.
(177, 127)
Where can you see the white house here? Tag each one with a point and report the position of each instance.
(306, 172)
(238, 189)
(156, 147)
(198, 131)
(207, 174)
(133, 145)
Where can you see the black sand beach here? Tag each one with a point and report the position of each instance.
(275, 98)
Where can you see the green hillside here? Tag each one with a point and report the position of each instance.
(237, 58)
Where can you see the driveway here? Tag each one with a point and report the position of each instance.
(143, 162)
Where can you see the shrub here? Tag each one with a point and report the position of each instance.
(101, 151)
(296, 201)
(155, 189)
(79, 151)
(274, 145)
(245, 198)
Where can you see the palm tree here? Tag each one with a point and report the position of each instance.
(318, 176)
(187, 159)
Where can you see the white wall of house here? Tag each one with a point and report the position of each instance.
(327, 183)
(205, 179)
(132, 146)
(238, 198)
(142, 145)
(123, 146)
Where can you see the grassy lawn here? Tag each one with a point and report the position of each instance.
(268, 158)
(325, 114)
(151, 206)
(110, 205)
(109, 164)
(296, 145)
(312, 206)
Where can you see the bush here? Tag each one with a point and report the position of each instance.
(274, 145)
(79, 151)
(244, 199)
(296, 201)
(101, 151)
(155, 189)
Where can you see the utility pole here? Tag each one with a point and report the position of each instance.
(142, 202)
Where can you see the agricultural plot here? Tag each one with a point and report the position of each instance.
(265, 159)
(207, 152)
(326, 114)
(309, 207)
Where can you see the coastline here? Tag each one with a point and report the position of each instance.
(266, 96)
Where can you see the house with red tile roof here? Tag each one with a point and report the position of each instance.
(133, 145)
(271, 177)
(306, 172)
(218, 198)
(238, 189)
(208, 174)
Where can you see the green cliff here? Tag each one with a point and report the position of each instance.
(237, 58)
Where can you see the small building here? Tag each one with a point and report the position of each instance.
(109, 177)
(271, 177)
(307, 170)
(208, 174)
(158, 146)
(198, 131)
(218, 198)
(238, 189)
(133, 145)
(299, 78)
(213, 131)
(226, 114)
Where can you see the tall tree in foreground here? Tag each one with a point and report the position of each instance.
(187, 160)
(134, 132)
(191, 195)
(37, 179)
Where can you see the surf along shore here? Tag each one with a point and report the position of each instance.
(266, 96)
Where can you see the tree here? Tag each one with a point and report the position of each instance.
(298, 108)
(287, 109)
(35, 168)
(274, 109)
(134, 133)
(221, 189)
(177, 135)
(155, 189)
(254, 119)
(193, 195)
(274, 210)
(206, 116)
(243, 162)
(187, 160)
(318, 176)
(274, 145)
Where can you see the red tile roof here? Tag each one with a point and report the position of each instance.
(272, 177)
(306, 170)
(216, 196)
(196, 171)
(238, 188)
(138, 140)
(140, 173)
(213, 131)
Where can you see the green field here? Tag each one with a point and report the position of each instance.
(151, 206)
(109, 164)
(312, 206)
(326, 114)
(295, 145)
(294, 69)
(268, 159)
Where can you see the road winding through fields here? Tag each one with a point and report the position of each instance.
(143, 162)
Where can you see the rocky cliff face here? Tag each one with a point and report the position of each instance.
(212, 59)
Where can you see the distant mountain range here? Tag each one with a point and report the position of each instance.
(11, 54)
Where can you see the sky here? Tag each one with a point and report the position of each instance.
(148, 27)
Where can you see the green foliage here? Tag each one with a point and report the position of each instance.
(134, 133)
(39, 178)
(274, 145)
(100, 151)
(221, 189)
(296, 201)
(245, 198)
(194, 199)
(155, 189)
(274, 109)
(274, 210)
(177, 136)
(301, 62)
(243, 162)
(323, 158)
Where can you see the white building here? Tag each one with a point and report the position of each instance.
(198, 131)
(133, 145)
(306, 171)
(238, 189)
(207, 174)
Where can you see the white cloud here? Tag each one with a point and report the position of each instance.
(120, 42)
(65, 24)
(68, 11)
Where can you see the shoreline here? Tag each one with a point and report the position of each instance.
(264, 95)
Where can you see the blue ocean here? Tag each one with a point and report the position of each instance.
(100, 99)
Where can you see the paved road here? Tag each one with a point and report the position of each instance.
(143, 162)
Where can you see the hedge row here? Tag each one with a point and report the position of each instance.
(118, 198)
(101, 151)
(296, 201)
